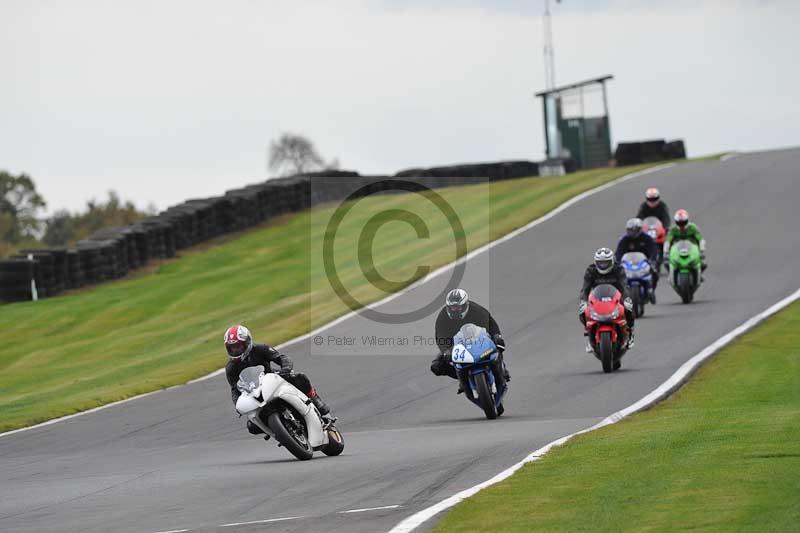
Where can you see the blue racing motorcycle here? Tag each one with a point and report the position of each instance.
(477, 362)
(640, 279)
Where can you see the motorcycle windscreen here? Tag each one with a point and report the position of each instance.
(634, 258)
(604, 292)
(684, 247)
(249, 378)
(476, 340)
(469, 334)
(651, 223)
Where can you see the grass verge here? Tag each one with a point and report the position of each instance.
(722, 454)
(163, 327)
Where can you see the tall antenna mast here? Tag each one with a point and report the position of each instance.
(549, 59)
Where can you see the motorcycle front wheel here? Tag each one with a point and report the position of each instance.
(294, 437)
(335, 444)
(485, 396)
(684, 285)
(606, 352)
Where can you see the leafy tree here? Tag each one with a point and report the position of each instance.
(295, 154)
(59, 229)
(20, 203)
(66, 228)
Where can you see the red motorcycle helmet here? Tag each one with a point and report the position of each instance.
(681, 218)
(238, 342)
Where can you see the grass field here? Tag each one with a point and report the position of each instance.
(722, 454)
(164, 326)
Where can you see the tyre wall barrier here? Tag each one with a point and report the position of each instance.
(111, 253)
(635, 153)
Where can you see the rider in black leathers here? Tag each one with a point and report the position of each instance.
(654, 206)
(635, 240)
(244, 353)
(460, 310)
(604, 270)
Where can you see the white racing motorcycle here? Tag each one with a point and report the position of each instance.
(282, 411)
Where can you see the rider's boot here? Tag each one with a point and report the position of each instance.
(652, 296)
(630, 340)
(588, 348)
(321, 406)
(506, 373)
(254, 429)
(500, 368)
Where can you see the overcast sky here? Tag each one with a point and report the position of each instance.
(167, 100)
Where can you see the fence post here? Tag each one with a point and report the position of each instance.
(34, 292)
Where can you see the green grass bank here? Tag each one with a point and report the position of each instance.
(164, 326)
(722, 454)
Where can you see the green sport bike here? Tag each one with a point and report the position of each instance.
(684, 266)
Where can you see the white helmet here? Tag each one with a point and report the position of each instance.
(652, 196)
(604, 260)
(457, 303)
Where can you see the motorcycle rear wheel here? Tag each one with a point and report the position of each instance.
(606, 352)
(301, 450)
(485, 396)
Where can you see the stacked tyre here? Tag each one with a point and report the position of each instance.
(15, 279)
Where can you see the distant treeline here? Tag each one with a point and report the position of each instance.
(22, 226)
(65, 228)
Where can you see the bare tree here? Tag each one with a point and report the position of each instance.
(294, 154)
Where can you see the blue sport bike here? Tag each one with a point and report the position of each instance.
(479, 366)
(640, 279)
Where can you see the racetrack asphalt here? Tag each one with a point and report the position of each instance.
(181, 459)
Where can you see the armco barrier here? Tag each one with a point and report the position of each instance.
(111, 253)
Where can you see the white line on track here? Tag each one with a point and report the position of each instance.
(441, 270)
(663, 391)
(369, 509)
(268, 520)
(173, 531)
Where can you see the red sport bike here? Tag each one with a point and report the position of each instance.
(653, 227)
(606, 326)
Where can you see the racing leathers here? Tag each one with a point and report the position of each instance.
(592, 278)
(446, 328)
(661, 212)
(643, 243)
(691, 233)
(263, 355)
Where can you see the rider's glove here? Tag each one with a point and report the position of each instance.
(284, 371)
(628, 303)
(499, 341)
(582, 307)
